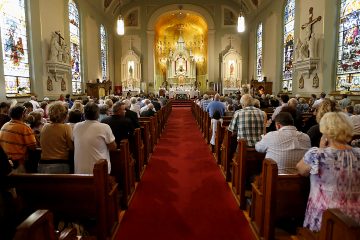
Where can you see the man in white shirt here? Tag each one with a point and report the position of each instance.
(284, 102)
(34, 102)
(286, 146)
(92, 141)
(319, 101)
(356, 119)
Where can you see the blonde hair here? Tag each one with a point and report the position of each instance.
(337, 126)
(78, 106)
(325, 107)
(57, 112)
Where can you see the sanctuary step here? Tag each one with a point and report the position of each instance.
(181, 103)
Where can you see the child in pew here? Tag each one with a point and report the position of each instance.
(216, 118)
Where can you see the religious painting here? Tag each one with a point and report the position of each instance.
(288, 44)
(315, 81)
(107, 3)
(14, 45)
(348, 64)
(301, 82)
(131, 20)
(230, 18)
(231, 65)
(75, 41)
(259, 34)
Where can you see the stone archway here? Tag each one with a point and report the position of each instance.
(149, 64)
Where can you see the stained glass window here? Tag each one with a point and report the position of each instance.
(348, 64)
(259, 52)
(289, 18)
(104, 52)
(15, 47)
(75, 48)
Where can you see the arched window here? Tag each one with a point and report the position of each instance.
(348, 64)
(104, 52)
(289, 19)
(259, 34)
(75, 48)
(15, 47)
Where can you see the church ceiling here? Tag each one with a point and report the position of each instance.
(249, 6)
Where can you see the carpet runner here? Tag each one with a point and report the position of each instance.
(182, 194)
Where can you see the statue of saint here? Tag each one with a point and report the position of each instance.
(231, 69)
(312, 46)
(54, 48)
(131, 71)
(297, 49)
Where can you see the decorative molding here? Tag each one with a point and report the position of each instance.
(58, 70)
(307, 66)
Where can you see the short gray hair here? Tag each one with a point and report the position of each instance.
(246, 100)
(357, 109)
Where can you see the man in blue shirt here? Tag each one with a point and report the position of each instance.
(216, 105)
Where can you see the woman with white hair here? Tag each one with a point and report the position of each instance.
(134, 106)
(334, 170)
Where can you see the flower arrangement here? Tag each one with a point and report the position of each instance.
(22, 89)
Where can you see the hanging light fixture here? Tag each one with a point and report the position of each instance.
(241, 20)
(120, 26)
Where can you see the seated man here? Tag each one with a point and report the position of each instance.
(16, 138)
(215, 105)
(121, 126)
(92, 141)
(149, 112)
(249, 122)
(286, 146)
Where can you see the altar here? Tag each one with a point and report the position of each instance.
(189, 93)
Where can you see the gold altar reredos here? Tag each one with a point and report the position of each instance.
(194, 31)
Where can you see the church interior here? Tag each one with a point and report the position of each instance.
(181, 173)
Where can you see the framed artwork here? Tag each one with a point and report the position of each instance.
(229, 17)
(132, 18)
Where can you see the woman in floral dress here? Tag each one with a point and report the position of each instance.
(334, 170)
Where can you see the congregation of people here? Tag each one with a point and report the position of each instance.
(316, 137)
(88, 127)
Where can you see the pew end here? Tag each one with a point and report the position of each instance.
(335, 225)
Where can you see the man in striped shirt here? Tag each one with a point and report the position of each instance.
(16, 138)
(248, 122)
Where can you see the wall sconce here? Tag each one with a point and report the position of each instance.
(120, 26)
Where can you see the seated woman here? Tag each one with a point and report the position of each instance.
(34, 119)
(334, 170)
(56, 142)
(314, 131)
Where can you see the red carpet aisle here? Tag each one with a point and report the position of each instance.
(182, 194)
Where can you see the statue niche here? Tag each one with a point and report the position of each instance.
(131, 72)
(231, 71)
(181, 66)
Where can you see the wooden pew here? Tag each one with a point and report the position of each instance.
(335, 225)
(72, 197)
(39, 226)
(151, 131)
(220, 130)
(146, 137)
(245, 164)
(139, 154)
(277, 199)
(228, 148)
(123, 169)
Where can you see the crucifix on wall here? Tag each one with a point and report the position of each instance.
(308, 26)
